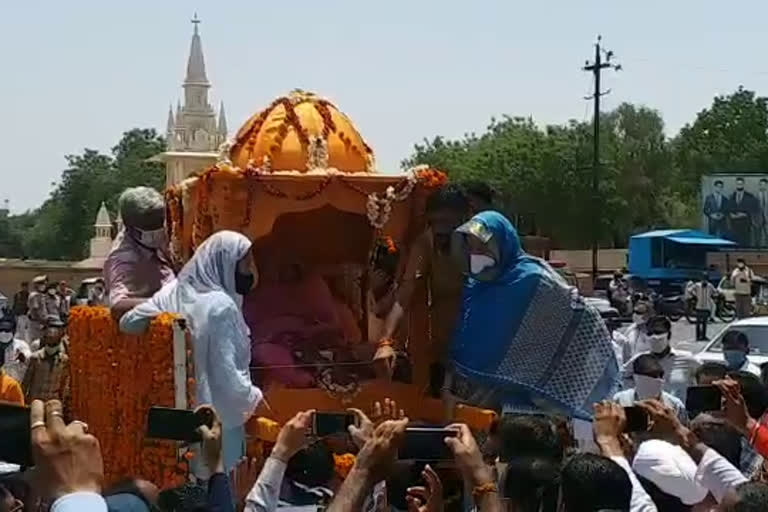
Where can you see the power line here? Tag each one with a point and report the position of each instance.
(596, 68)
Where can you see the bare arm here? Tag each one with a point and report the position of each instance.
(353, 492)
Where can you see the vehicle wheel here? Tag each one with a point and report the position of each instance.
(727, 313)
(677, 315)
(690, 315)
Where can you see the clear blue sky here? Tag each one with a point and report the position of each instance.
(77, 74)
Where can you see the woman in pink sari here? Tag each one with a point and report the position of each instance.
(291, 311)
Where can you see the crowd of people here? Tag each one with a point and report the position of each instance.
(510, 335)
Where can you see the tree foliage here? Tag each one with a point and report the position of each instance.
(646, 180)
(61, 227)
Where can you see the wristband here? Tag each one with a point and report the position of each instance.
(481, 490)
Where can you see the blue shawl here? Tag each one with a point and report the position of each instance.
(529, 336)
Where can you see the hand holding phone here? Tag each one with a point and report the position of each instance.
(331, 423)
(638, 419)
(177, 424)
(703, 398)
(426, 444)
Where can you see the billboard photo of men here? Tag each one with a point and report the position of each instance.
(716, 209)
(742, 207)
(761, 219)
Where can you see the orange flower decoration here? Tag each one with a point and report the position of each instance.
(115, 379)
(432, 178)
(343, 464)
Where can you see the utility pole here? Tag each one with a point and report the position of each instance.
(596, 69)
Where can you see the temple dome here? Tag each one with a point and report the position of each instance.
(301, 132)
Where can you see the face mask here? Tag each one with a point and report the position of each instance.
(153, 239)
(638, 319)
(6, 337)
(480, 262)
(52, 293)
(741, 266)
(658, 342)
(647, 387)
(52, 350)
(41, 288)
(243, 283)
(734, 358)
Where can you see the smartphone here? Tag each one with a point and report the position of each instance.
(426, 444)
(15, 442)
(330, 423)
(176, 424)
(703, 398)
(637, 419)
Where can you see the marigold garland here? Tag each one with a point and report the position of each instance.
(343, 464)
(116, 378)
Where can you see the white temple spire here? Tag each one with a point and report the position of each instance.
(196, 62)
(222, 121)
(171, 125)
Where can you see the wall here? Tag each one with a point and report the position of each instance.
(608, 260)
(13, 272)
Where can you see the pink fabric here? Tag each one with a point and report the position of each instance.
(132, 271)
(283, 316)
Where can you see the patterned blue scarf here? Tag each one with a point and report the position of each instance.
(527, 335)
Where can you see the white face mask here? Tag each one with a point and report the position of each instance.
(647, 387)
(658, 342)
(52, 350)
(6, 337)
(638, 319)
(480, 262)
(153, 239)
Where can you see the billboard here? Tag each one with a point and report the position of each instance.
(735, 206)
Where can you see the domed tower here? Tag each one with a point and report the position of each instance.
(193, 133)
(101, 242)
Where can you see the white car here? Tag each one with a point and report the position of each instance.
(756, 330)
(726, 289)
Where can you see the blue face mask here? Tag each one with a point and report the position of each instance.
(734, 358)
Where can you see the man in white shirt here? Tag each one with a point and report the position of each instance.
(741, 278)
(679, 366)
(637, 337)
(703, 293)
(648, 376)
(14, 353)
(735, 352)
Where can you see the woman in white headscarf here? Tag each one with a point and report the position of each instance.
(208, 293)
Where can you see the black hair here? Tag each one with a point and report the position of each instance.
(449, 197)
(312, 466)
(741, 260)
(740, 178)
(753, 392)
(592, 482)
(752, 497)
(659, 320)
(480, 189)
(661, 499)
(736, 337)
(647, 364)
(7, 317)
(385, 257)
(528, 435)
(719, 182)
(532, 484)
(187, 497)
(711, 369)
(719, 436)
(763, 180)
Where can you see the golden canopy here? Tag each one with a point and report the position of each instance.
(301, 132)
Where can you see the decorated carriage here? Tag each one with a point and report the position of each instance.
(297, 179)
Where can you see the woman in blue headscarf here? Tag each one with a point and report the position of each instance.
(525, 340)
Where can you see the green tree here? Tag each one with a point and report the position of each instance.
(547, 173)
(61, 227)
(730, 136)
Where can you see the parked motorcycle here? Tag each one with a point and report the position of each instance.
(671, 306)
(724, 310)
